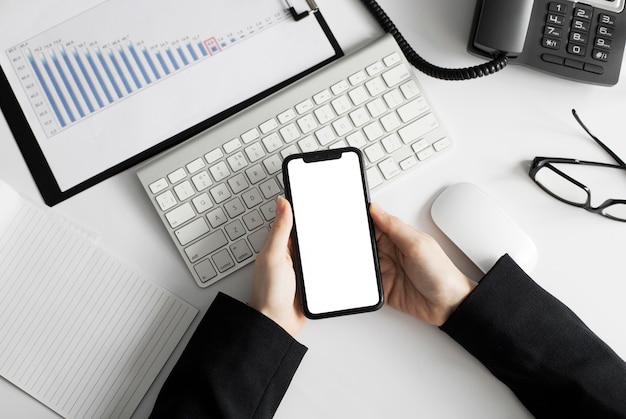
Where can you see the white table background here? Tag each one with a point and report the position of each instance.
(386, 364)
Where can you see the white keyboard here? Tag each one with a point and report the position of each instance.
(216, 192)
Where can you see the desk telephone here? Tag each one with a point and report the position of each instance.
(581, 41)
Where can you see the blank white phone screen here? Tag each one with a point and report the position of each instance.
(335, 246)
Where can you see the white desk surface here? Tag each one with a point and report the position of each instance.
(386, 364)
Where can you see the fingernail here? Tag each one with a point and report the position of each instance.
(280, 206)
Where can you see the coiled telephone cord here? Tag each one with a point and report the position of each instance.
(496, 64)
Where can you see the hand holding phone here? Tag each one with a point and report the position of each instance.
(334, 242)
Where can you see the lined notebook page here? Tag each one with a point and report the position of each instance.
(79, 331)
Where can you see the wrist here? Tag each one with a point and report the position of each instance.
(462, 289)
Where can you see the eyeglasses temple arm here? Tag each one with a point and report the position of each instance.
(597, 140)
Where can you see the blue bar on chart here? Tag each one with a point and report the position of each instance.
(144, 73)
(44, 85)
(87, 77)
(77, 79)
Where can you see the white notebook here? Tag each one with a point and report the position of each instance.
(79, 331)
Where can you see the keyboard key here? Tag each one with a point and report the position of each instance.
(441, 144)
(219, 171)
(158, 186)
(255, 152)
(322, 97)
(286, 116)
(235, 230)
(359, 117)
(286, 152)
(390, 122)
(392, 59)
(425, 153)
(342, 126)
(396, 75)
(180, 215)
(409, 162)
(340, 87)
(393, 98)
(268, 125)
(307, 124)
(373, 131)
(269, 188)
(375, 86)
(202, 202)
(252, 198)
(304, 106)
(308, 144)
(257, 239)
(391, 143)
(289, 133)
(232, 145)
(356, 140)
(184, 190)
(192, 231)
(356, 78)
(273, 164)
(374, 152)
(202, 180)
(177, 175)
(195, 165)
(237, 161)
(341, 105)
(420, 145)
(238, 183)
(269, 210)
(250, 135)
(220, 193)
(256, 174)
(324, 114)
(234, 207)
(205, 270)
(359, 96)
(410, 89)
(373, 177)
(418, 128)
(216, 217)
(375, 68)
(325, 135)
(213, 156)
(389, 168)
(166, 200)
(413, 109)
(252, 220)
(241, 251)
(272, 142)
(376, 107)
(223, 261)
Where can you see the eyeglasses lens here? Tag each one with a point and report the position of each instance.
(560, 186)
(617, 211)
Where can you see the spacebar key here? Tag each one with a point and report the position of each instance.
(207, 245)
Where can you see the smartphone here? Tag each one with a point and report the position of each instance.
(333, 238)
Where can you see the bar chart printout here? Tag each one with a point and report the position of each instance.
(68, 77)
(112, 85)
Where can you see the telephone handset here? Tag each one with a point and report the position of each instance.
(581, 41)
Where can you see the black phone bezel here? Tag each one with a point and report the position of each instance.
(312, 157)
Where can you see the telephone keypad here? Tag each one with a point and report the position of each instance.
(577, 39)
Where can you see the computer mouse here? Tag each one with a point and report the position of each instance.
(481, 228)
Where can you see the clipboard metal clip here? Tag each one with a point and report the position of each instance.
(298, 16)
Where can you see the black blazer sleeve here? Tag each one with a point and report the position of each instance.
(238, 364)
(539, 348)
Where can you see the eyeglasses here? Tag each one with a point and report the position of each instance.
(551, 174)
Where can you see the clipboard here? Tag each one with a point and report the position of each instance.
(111, 86)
